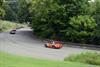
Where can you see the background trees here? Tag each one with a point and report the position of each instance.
(97, 12)
(23, 11)
(17, 10)
(11, 11)
(69, 20)
(2, 12)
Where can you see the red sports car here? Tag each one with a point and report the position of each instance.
(54, 44)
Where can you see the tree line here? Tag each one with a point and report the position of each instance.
(17, 10)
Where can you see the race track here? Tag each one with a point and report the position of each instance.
(24, 43)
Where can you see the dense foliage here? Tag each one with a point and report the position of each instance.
(81, 29)
(11, 11)
(71, 20)
(17, 11)
(23, 11)
(97, 13)
(2, 12)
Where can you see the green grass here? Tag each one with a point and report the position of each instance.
(85, 57)
(7, 25)
(7, 60)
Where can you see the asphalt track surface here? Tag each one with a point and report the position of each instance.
(24, 43)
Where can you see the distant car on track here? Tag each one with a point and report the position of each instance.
(13, 32)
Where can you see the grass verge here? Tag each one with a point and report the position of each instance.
(7, 60)
(86, 57)
(7, 25)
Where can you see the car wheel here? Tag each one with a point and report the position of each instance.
(45, 45)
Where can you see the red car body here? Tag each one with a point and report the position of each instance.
(56, 45)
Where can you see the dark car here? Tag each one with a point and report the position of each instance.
(13, 32)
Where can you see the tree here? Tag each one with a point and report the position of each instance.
(50, 17)
(97, 12)
(17, 10)
(23, 11)
(11, 10)
(81, 29)
(2, 12)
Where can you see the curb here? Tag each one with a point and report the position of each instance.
(85, 46)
